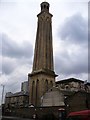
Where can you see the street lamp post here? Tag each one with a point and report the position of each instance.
(2, 93)
(2, 100)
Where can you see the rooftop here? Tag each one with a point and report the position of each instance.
(17, 94)
(69, 80)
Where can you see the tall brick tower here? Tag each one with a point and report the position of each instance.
(42, 76)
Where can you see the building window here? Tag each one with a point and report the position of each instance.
(46, 85)
(37, 90)
(51, 89)
(44, 6)
(33, 85)
(51, 84)
(47, 7)
(67, 87)
(41, 7)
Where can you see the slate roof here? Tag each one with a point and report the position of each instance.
(18, 94)
(69, 80)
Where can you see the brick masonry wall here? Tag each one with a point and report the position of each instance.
(39, 111)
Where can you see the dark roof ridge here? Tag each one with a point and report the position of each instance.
(70, 79)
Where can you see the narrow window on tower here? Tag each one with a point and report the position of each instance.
(46, 84)
(41, 7)
(47, 7)
(33, 84)
(44, 6)
(37, 87)
(51, 84)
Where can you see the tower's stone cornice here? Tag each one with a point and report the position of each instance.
(43, 71)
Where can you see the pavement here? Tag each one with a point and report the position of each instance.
(14, 118)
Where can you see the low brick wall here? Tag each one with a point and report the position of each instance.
(30, 112)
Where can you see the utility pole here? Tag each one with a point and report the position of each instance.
(2, 101)
(2, 93)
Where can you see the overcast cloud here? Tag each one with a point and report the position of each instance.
(73, 36)
(14, 54)
(12, 49)
(75, 29)
(18, 24)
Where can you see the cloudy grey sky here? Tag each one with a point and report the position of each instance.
(18, 25)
